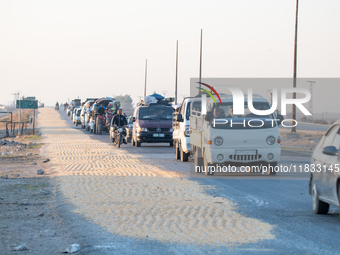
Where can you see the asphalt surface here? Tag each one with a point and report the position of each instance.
(281, 200)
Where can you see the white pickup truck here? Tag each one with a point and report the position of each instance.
(181, 131)
(221, 139)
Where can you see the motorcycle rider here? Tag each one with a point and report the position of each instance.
(119, 120)
(57, 106)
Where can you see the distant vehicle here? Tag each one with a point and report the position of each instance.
(76, 116)
(324, 184)
(68, 110)
(239, 140)
(129, 129)
(101, 123)
(2, 108)
(152, 123)
(76, 103)
(181, 131)
(84, 116)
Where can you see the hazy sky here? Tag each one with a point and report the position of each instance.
(57, 50)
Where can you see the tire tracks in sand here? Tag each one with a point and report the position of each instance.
(115, 190)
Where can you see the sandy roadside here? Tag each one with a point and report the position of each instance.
(27, 202)
(124, 196)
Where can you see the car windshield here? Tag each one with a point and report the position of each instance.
(155, 113)
(222, 117)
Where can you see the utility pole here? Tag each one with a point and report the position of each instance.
(176, 72)
(34, 114)
(295, 66)
(146, 69)
(18, 96)
(200, 74)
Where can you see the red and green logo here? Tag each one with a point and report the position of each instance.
(209, 93)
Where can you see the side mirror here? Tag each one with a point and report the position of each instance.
(133, 119)
(330, 150)
(280, 119)
(179, 117)
(207, 117)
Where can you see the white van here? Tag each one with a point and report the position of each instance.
(220, 138)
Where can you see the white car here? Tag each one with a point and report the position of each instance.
(76, 116)
(324, 185)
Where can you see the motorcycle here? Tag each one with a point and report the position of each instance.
(120, 134)
(57, 107)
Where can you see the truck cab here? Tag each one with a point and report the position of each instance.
(220, 138)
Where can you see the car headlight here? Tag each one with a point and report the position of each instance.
(142, 129)
(270, 140)
(120, 130)
(187, 131)
(218, 141)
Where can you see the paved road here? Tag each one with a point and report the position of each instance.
(281, 201)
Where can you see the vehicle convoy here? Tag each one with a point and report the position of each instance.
(324, 185)
(101, 116)
(220, 139)
(152, 121)
(181, 131)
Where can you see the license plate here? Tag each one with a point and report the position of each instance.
(246, 152)
(158, 135)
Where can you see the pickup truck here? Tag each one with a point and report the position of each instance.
(220, 139)
(181, 131)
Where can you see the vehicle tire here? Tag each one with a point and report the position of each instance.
(94, 128)
(206, 166)
(171, 144)
(76, 124)
(198, 161)
(91, 130)
(133, 142)
(270, 165)
(119, 141)
(319, 207)
(184, 156)
(138, 144)
(99, 129)
(177, 152)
